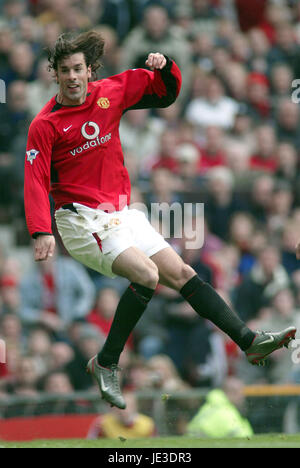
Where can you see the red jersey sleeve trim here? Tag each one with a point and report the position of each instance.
(159, 88)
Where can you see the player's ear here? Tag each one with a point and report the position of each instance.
(89, 71)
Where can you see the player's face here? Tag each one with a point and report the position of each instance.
(73, 76)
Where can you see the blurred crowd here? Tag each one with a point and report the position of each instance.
(231, 141)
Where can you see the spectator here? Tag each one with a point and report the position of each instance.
(264, 158)
(287, 161)
(261, 197)
(214, 108)
(287, 119)
(166, 157)
(123, 424)
(290, 234)
(13, 11)
(140, 134)
(58, 384)
(21, 60)
(10, 294)
(284, 49)
(6, 44)
(237, 160)
(157, 32)
(163, 194)
(29, 32)
(55, 293)
(14, 124)
(165, 375)
(137, 374)
(235, 78)
(281, 82)
(122, 15)
(202, 51)
(275, 14)
(222, 201)
(226, 262)
(25, 380)
(15, 116)
(51, 31)
(170, 117)
(242, 228)
(221, 414)
(60, 355)
(75, 20)
(280, 210)
(163, 183)
(242, 130)
(258, 98)
(39, 346)
(40, 90)
(212, 150)
(257, 288)
(86, 345)
(11, 331)
(260, 47)
(54, 12)
(188, 157)
(205, 363)
(221, 57)
(240, 48)
(111, 58)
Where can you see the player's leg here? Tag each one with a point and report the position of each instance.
(134, 265)
(173, 272)
(176, 274)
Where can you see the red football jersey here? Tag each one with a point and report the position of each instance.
(74, 152)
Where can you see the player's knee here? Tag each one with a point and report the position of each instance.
(185, 273)
(150, 275)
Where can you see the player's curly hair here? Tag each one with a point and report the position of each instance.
(90, 43)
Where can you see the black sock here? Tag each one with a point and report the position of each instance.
(130, 308)
(207, 303)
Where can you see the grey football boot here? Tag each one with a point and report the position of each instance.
(265, 343)
(107, 380)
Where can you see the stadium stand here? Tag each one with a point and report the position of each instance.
(231, 142)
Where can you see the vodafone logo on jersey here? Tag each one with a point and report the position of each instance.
(90, 131)
(87, 135)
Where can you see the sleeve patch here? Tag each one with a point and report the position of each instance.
(31, 155)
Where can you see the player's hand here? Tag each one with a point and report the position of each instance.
(43, 247)
(156, 61)
(298, 251)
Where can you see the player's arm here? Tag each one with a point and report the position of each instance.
(37, 187)
(158, 87)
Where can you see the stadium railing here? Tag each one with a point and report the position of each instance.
(269, 408)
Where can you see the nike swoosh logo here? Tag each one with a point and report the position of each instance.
(104, 388)
(66, 129)
(270, 340)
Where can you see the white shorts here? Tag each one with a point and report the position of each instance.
(96, 238)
